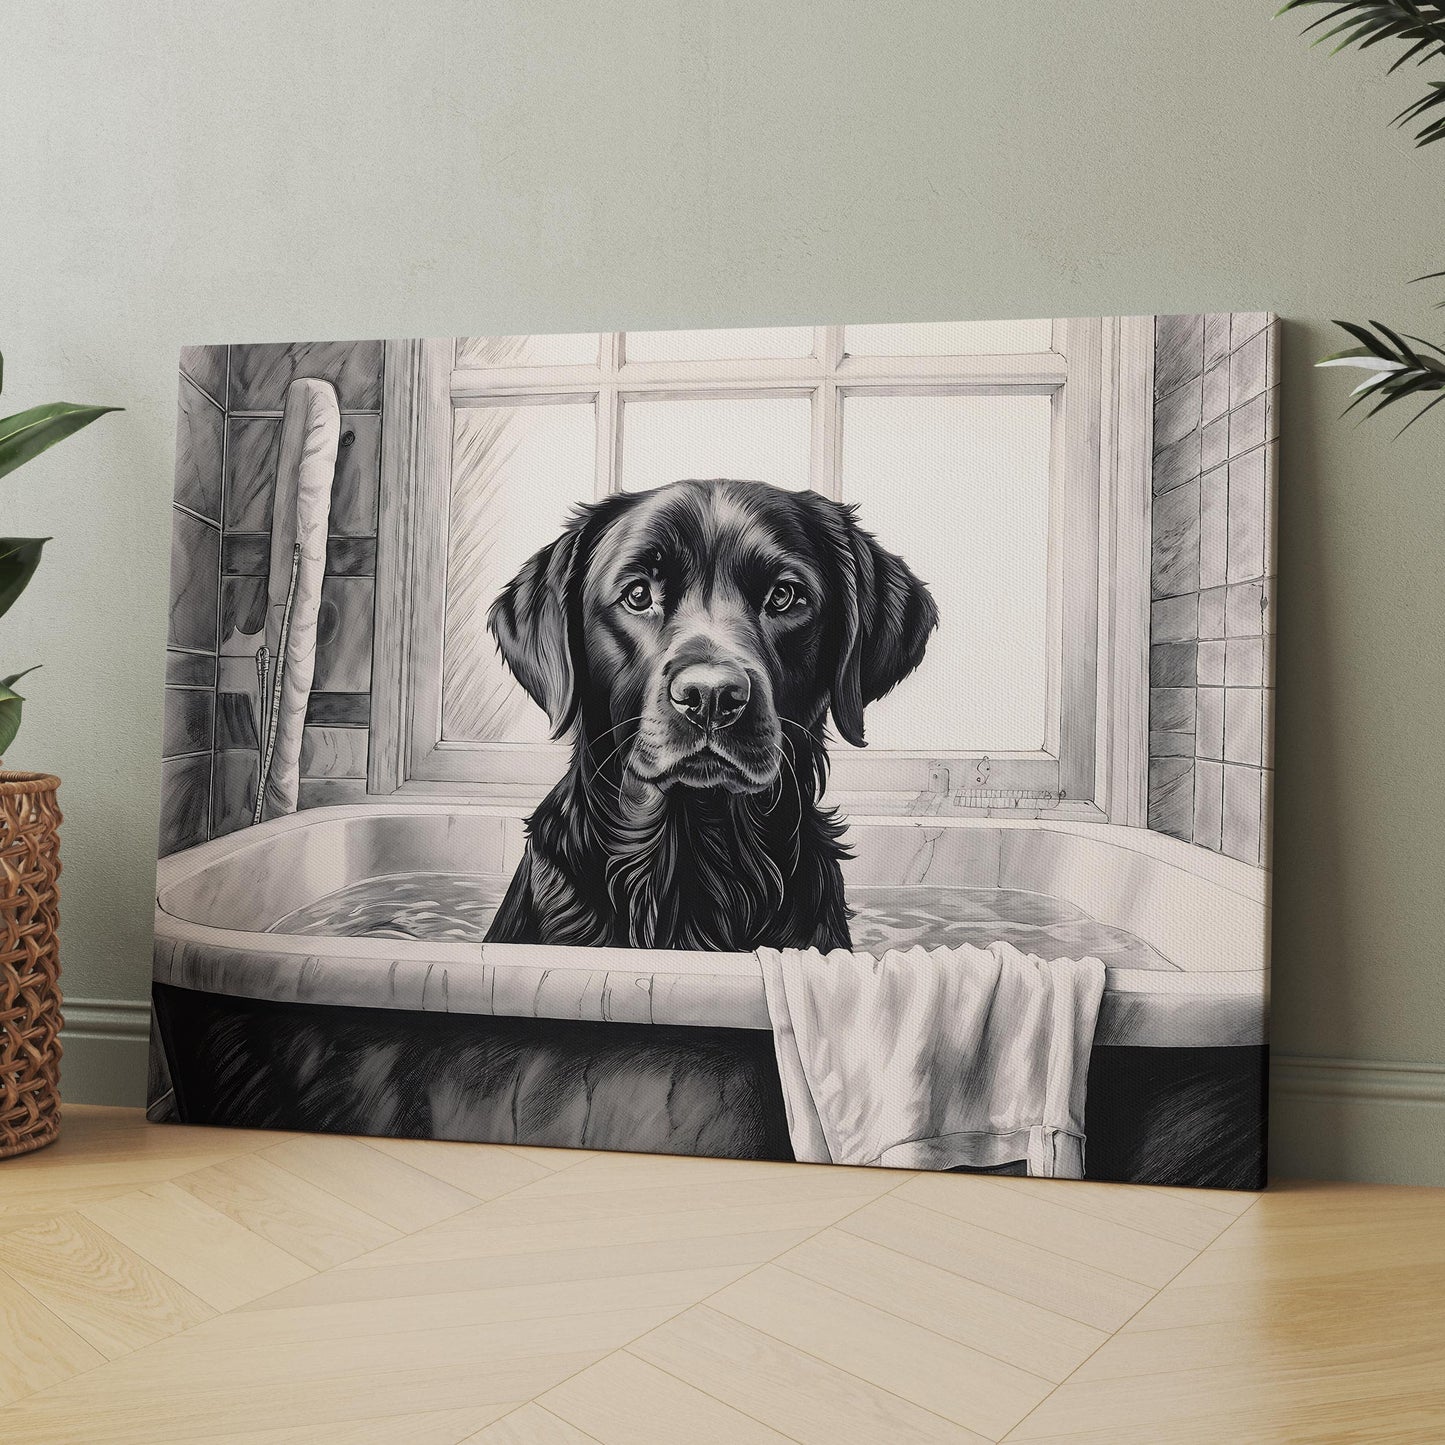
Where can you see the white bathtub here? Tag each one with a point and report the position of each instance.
(1207, 915)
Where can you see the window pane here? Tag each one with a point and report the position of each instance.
(739, 344)
(579, 349)
(949, 338)
(752, 439)
(958, 486)
(516, 473)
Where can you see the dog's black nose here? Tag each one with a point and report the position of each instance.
(710, 695)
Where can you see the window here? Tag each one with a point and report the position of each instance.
(977, 451)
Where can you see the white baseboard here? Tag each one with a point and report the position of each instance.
(1352, 1119)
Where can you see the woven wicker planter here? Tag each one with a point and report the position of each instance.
(29, 962)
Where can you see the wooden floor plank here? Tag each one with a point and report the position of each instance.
(306, 1221)
(536, 1266)
(206, 1252)
(788, 1389)
(531, 1425)
(37, 1347)
(953, 1380)
(481, 1170)
(111, 1297)
(1065, 1286)
(371, 1180)
(1013, 1330)
(622, 1400)
(1033, 1219)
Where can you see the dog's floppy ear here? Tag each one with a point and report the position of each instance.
(532, 622)
(887, 616)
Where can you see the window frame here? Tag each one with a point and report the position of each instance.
(1098, 374)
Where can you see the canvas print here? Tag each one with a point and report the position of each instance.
(845, 744)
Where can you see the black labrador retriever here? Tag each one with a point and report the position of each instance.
(693, 640)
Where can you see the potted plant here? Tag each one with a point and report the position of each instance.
(1401, 367)
(29, 844)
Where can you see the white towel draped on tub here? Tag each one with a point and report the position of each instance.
(932, 1059)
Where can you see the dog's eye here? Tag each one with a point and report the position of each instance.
(637, 597)
(784, 597)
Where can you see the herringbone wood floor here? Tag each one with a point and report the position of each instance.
(168, 1284)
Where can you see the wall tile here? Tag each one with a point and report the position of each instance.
(1246, 517)
(252, 446)
(1178, 351)
(1266, 727)
(1214, 443)
(1271, 414)
(1246, 426)
(1174, 619)
(351, 556)
(1209, 723)
(200, 433)
(1208, 804)
(195, 582)
(1171, 796)
(1244, 324)
(206, 366)
(246, 554)
(261, 374)
(1216, 391)
(1213, 527)
(1242, 715)
(1266, 817)
(233, 791)
(1244, 662)
(235, 721)
(253, 450)
(186, 721)
(329, 752)
(243, 606)
(1171, 745)
(344, 709)
(1171, 709)
(1177, 414)
(1243, 609)
(1173, 664)
(1241, 813)
(1211, 664)
(357, 484)
(343, 653)
(1177, 463)
(1211, 612)
(329, 792)
(190, 669)
(1216, 337)
(1175, 563)
(1248, 374)
(185, 803)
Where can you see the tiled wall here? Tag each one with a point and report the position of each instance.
(1212, 581)
(230, 429)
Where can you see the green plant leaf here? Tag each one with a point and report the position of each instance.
(19, 557)
(28, 433)
(10, 705)
(1418, 24)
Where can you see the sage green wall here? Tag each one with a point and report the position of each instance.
(259, 170)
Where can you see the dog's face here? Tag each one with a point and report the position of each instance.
(688, 627)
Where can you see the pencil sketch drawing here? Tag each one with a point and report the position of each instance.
(843, 744)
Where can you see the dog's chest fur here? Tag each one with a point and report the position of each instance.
(700, 869)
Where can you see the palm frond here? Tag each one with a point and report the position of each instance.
(1417, 24)
(1397, 370)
